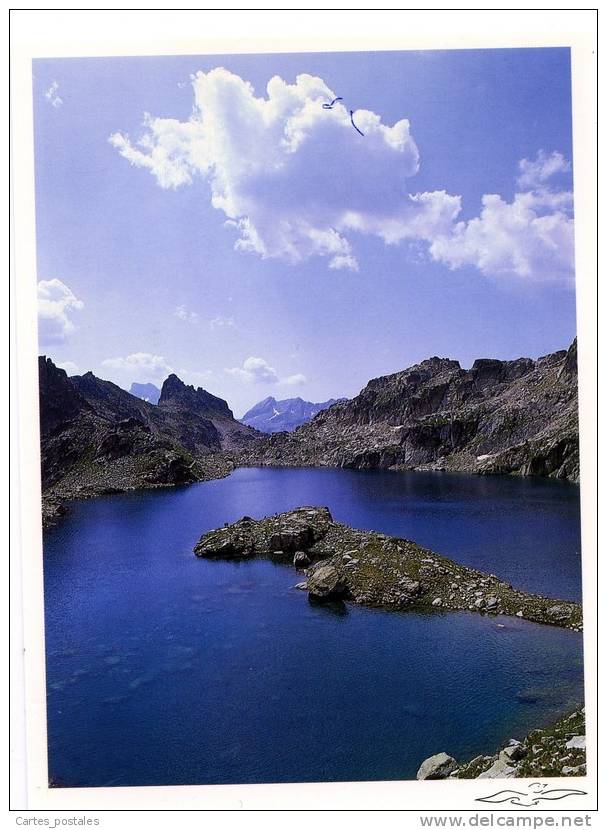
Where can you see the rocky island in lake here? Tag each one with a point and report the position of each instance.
(371, 568)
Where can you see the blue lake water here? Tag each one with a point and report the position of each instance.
(167, 669)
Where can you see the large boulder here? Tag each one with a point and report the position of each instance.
(326, 582)
(515, 751)
(577, 742)
(499, 769)
(436, 766)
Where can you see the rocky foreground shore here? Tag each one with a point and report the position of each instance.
(339, 562)
(558, 750)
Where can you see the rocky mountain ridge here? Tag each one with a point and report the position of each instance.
(190, 405)
(97, 438)
(518, 416)
(514, 416)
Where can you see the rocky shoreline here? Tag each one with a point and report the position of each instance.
(129, 475)
(369, 568)
(558, 750)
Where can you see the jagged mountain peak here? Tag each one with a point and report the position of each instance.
(176, 394)
(173, 382)
(440, 363)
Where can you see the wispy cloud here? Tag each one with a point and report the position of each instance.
(182, 313)
(55, 303)
(140, 363)
(153, 368)
(52, 95)
(221, 322)
(535, 174)
(294, 180)
(257, 370)
(294, 380)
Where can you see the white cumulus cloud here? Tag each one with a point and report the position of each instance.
(283, 170)
(257, 370)
(295, 180)
(531, 237)
(55, 303)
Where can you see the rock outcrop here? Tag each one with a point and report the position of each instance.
(60, 402)
(437, 766)
(374, 569)
(514, 416)
(175, 395)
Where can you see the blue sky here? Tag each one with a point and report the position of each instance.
(254, 243)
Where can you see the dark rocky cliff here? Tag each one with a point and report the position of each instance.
(59, 400)
(188, 405)
(179, 397)
(96, 438)
(514, 416)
